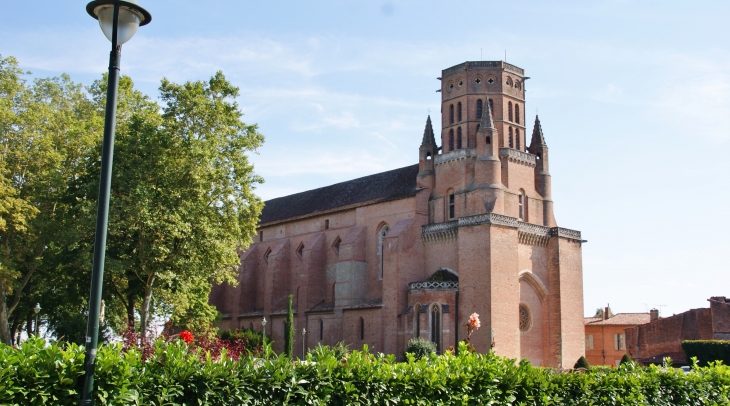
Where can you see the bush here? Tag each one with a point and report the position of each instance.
(582, 363)
(707, 351)
(420, 347)
(626, 359)
(253, 339)
(180, 374)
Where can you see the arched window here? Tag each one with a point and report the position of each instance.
(362, 328)
(517, 113)
(509, 111)
(511, 145)
(521, 198)
(452, 205)
(489, 140)
(458, 138)
(436, 326)
(417, 320)
(321, 329)
(381, 234)
(458, 111)
(517, 137)
(479, 109)
(451, 140)
(451, 114)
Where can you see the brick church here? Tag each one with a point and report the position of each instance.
(414, 251)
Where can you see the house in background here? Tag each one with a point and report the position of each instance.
(650, 343)
(606, 338)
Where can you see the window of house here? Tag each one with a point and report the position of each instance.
(436, 327)
(451, 140)
(362, 328)
(479, 108)
(452, 205)
(517, 113)
(381, 235)
(321, 329)
(327, 224)
(417, 320)
(458, 111)
(619, 341)
(589, 341)
(458, 138)
(509, 111)
(511, 144)
(451, 114)
(261, 236)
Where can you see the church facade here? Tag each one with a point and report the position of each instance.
(415, 251)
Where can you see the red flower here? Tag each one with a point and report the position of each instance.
(187, 336)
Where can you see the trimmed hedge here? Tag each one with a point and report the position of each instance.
(707, 351)
(173, 374)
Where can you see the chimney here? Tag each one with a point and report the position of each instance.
(653, 314)
(607, 312)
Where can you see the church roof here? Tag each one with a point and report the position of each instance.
(380, 187)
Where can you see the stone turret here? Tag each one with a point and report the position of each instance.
(538, 147)
(488, 168)
(426, 154)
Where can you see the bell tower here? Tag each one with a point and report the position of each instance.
(465, 88)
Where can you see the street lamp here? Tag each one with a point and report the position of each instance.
(36, 310)
(304, 342)
(263, 330)
(119, 20)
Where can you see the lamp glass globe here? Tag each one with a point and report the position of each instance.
(128, 22)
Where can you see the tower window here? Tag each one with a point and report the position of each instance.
(511, 145)
(521, 198)
(458, 138)
(490, 80)
(477, 81)
(436, 327)
(451, 140)
(517, 137)
(509, 111)
(327, 224)
(517, 113)
(489, 140)
(452, 205)
(321, 329)
(261, 236)
(451, 114)
(458, 111)
(383, 232)
(479, 109)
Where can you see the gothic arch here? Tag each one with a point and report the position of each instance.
(535, 282)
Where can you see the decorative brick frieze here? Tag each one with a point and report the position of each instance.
(440, 232)
(434, 285)
(456, 155)
(520, 157)
(532, 234)
(489, 218)
(565, 233)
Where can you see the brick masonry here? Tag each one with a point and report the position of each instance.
(501, 244)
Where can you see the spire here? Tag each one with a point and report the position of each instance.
(537, 137)
(487, 118)
(428, 137)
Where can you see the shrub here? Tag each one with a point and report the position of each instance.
(582, 363)
(420, 347)
(252, 339)
(626, 359)
(707, 351)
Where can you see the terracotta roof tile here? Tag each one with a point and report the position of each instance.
(380, 187)
(620, 319)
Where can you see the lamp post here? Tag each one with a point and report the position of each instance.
(119, 20)
(36, 310)
(304, 342)
(263, 330)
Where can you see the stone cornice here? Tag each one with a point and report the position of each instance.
(440, 232)
(566, 233)
(528, 234)
(532, 234)
(489, 218)
(455, 155)
(520, 157)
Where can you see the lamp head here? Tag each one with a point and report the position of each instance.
(304, 331)
(131, 17)
(263, 322)
(37, 308)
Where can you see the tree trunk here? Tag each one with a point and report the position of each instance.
(144, 312)
(130, 311)
(4, 330)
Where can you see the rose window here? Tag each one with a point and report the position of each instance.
(525, 318)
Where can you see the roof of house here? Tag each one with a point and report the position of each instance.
(620, 319)
(380, 187)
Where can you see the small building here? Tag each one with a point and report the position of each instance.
(605, 336)
(662, 337)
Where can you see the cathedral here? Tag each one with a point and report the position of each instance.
(414, 251)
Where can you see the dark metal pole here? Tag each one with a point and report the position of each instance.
(102, 218)
(36, 325)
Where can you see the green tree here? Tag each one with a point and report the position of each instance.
(626, 359)
(289, 334)
(582, 363)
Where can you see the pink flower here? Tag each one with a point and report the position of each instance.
(473, 323)
(187, 336)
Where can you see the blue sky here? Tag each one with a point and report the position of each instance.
(633, 96)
